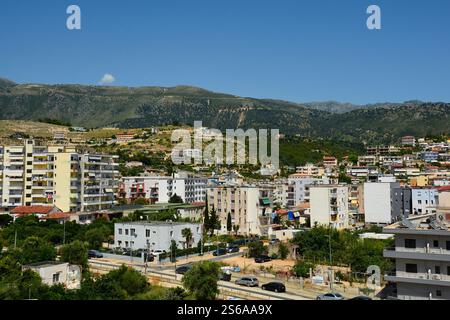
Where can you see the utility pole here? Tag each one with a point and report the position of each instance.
(64, 234)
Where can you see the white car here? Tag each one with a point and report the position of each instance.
(330, 296)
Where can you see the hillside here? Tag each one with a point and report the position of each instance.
(123, 107)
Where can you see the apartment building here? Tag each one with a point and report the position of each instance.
(384, 202)
(422, 257)
(159, 189)
(250, 207)
(56, 175)
(298, 188)
(310, 170)
(329, 206)
(424, 200)
(155, 236)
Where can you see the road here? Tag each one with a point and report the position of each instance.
(167, 275)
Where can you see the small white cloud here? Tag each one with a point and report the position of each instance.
(107, 79)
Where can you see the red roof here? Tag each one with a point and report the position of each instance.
(444, 188)
(32, 210)
(199, 204)
(58, 215)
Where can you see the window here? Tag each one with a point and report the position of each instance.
(119, 243)
(438, 293)
(171, 234)
(120, 231)
(133, 232)
(56, 278)
(411, 268)
(448, 245)
(448, 270)
(436, 243)
(437, 270)
(126, 232)
(419, 201)
(410, 243)
(147, 233)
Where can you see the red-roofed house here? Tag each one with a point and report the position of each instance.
(39, 211)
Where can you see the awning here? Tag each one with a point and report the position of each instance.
(265, 201)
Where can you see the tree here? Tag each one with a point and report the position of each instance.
(35, 249)
(173, 251)
(214, 222)
(256, 248)
(229, 223)
(130, 280)
(283, 251)
(201, 280)
(236, 229)
(95, 238)
(187, 234)
(5, 219)
(75, 253)
(302, 268)
(175, 199)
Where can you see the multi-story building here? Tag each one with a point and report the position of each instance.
(409, 141)
(424, 200)
(155, 236)
(310, 170)
(422, 257)
(379, 207)
(298, 188)
(250, 207)
(329, 206)
(159, 189)
(56, 175)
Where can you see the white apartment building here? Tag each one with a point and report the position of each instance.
(298, 188)
(378, 206)
(310, 170)
(159, 189)
(56, 175)
(424, 200)
(422, 257)
(155, 236)
(250, 207)
(329, 206)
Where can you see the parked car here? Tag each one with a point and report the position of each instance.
(361, 298)
(274, 286)
(225, 276)
(219, 252)
(262, 259)
(183, 269)
(330, 296)
(95, 254)
(274, 241)
(233, 249)
(247, 281)
(239, 242)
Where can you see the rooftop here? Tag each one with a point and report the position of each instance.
(44, 264)
(427, 222)
(157, 223)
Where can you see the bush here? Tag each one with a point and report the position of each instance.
(301, 269)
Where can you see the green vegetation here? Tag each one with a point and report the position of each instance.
(201, 280)
(346, 247)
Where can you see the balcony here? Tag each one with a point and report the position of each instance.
(418, 278)
(417, 254)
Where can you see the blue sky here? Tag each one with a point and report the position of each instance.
(311, 50)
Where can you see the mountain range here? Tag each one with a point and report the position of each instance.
(125, 107)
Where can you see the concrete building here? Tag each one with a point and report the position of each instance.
(56, 175)
(159, 189)
(155, 236)
(329, 206)
(422, 257)
(385, 202)
(409, 141)
(54, 272)
(310, 170)
(424, 200)
(250, 207)
(298, 188)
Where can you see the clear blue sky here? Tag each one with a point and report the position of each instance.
(309, 50)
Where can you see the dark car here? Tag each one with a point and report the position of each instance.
(94, 254)
(274, 286)
(362, 298)
(223, 276)
(233, 249)
(183, 269)
(220, 252)
(262, 259)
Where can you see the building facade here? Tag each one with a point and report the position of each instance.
(329, 206)
(155, 236)
(56, 175)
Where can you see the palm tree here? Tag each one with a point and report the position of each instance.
(187, 234)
